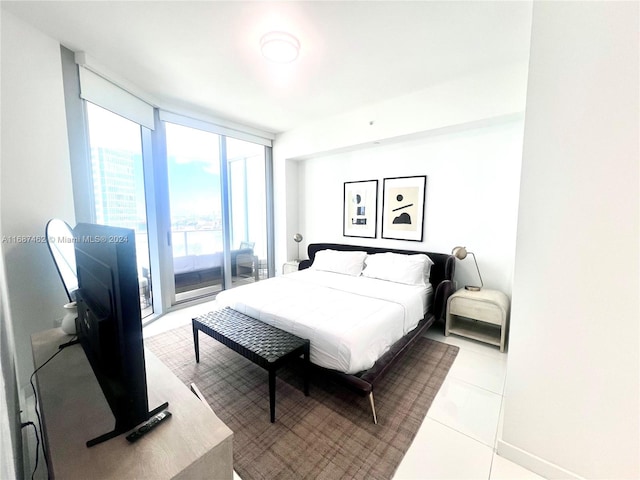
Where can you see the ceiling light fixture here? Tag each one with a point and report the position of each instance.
(280, 47)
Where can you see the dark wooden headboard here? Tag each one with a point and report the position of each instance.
(442, 269)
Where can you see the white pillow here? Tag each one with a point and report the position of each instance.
(399, 268)
(337, 261)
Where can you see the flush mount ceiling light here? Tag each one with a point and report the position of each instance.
(279, 47)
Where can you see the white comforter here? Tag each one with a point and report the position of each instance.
(350, 321)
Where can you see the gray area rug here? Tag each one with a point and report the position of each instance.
(328, 435)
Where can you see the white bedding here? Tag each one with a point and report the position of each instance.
(350, 321)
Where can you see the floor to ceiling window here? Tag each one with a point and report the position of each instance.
(195, 205)
(206, 173)
(197, 194)
(118, 185)
(247, 197)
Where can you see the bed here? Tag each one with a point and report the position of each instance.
(360, 307)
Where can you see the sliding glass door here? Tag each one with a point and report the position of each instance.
(195, 205)
(218, 216)
(248, 207)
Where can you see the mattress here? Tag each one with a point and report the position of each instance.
(350, 321)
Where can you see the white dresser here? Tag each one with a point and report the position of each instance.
(193, 444)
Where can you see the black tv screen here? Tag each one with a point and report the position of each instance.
(109, 324)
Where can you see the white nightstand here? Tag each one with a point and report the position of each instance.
(480, 315)
(290, 266)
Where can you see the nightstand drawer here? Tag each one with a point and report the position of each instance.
(478, 310)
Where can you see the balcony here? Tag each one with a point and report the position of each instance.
(197, 263)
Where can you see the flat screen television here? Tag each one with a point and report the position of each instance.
(109, 324)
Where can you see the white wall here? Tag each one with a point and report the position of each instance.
(459, 107)
(11, 446)
(572, 402)
(472, 195)
(36, 178)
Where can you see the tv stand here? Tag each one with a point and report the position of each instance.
(194, 444)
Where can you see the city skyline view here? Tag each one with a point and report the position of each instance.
(194, 183)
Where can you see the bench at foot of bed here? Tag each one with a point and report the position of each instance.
(265, 345)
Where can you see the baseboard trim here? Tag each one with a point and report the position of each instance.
(535, 464)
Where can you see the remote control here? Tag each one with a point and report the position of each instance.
(152, 423)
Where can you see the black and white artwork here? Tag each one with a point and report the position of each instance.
(360, 209)
(403, 204)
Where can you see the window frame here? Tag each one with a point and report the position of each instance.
(156, 177)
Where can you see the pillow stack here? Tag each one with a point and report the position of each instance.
(392, 267)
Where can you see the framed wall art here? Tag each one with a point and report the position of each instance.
(403, 204)
(360, 215)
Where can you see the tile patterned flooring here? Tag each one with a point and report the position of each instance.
(458, 438)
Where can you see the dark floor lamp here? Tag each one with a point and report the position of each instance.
(461, 253)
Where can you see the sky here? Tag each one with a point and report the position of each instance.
(193, 158)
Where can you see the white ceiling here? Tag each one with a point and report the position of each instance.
(204, 56)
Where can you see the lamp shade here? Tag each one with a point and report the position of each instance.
(459, 252)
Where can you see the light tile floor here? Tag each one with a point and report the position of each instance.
(177, 318)
(458, 437)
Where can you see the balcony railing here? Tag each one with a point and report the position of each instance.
(196, 242)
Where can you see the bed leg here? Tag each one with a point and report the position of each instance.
(373, 408)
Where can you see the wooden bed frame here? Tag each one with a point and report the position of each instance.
(442, 281)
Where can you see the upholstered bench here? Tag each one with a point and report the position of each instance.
(263, 344)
